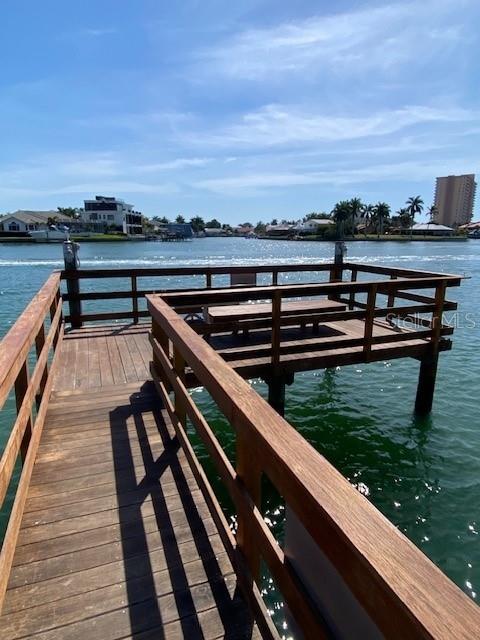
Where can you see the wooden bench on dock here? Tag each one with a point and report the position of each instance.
(227, 313)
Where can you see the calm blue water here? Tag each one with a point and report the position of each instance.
(423, 475)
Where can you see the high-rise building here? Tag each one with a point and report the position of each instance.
(454, 199)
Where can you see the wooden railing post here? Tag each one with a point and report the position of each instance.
(391, 295)
(369, 318)
(39, 344)
(53, 310)
(70, 250)
(21, 386)
(208, 281)
(179, 366)
(162, 339)
(249, 472)
(336, 270)
(351, 304)
(437, 315)
(134, 299)
(276, 329)
(274, 277)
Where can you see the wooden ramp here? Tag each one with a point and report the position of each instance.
(116, 540)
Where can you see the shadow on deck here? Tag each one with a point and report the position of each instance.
(116, 540)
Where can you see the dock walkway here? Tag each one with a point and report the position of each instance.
(115, 530)
(116, 540)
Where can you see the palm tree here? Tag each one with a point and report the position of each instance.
(180, 219)
(341, 212)
(382, 212)
(414, 206)
(405, 218)
(432, 213)
(368, 215)
(356, 210)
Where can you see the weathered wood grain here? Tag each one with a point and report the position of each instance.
(402, 591)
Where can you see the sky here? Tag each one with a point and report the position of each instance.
(241, 111)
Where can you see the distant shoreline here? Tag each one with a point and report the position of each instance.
(79, 238)
(361, 238)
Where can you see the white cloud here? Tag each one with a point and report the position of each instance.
(253, 183)
(76, 173)
(368, 38)
(118, 188)
(178, 163)
(273, 125)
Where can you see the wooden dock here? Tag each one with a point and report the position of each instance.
(115, 530)
(116, 539)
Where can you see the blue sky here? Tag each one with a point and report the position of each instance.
(242, 111)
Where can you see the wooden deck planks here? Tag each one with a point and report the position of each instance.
(97, 357)
(124, 353)
(116, 539)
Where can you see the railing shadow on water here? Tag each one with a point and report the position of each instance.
(144, 602)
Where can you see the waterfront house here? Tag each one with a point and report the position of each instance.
(313, 226)
(431, 229)
(280, 229)
(108, 213)
(22, 221)
(243, 230)
(213, 232)
(471, 226)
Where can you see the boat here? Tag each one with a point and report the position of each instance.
(52, 234)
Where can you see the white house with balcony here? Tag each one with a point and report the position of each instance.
(108, 213)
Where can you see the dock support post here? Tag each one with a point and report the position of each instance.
(276, 394)
(426, 384)
(70, 257)
(429, 362)
(276, 390)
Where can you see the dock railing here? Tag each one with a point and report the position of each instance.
(402, 593)
(420, 327)
(202, 278)
(39, 326)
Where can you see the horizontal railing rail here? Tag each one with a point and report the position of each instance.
(403, 593)
(432, 329)
(135, 293)
(32, 392)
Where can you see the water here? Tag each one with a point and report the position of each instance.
(424, 475)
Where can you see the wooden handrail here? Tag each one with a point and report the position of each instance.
(365, 267)
(194, 271)
(24, 437)
(134, 293)
(227, 269)
(402, 591)
(19, 339)
(244, 294)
